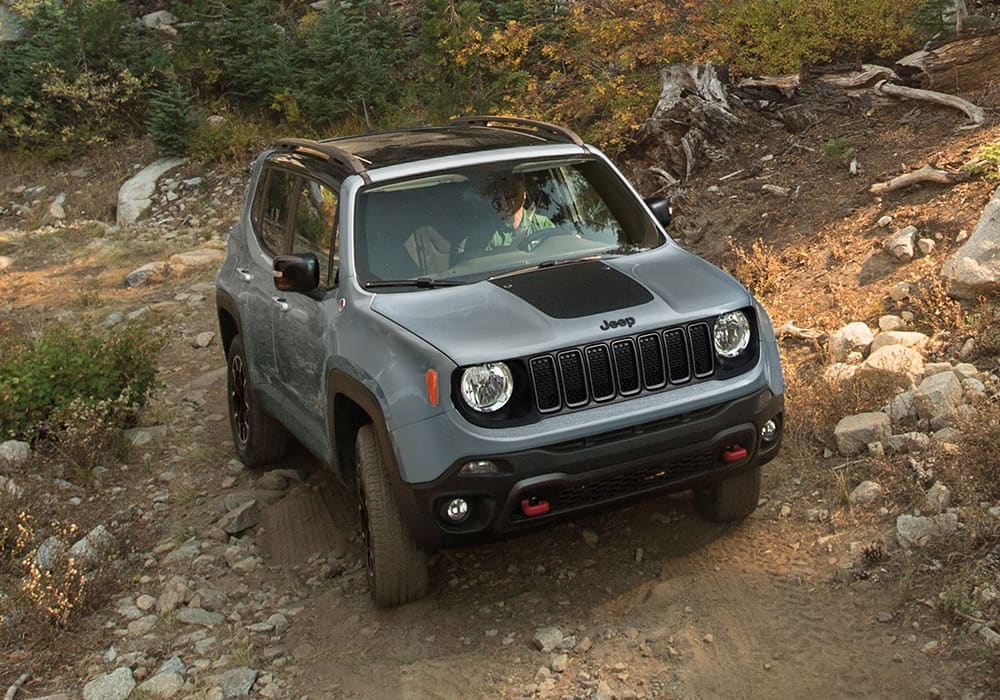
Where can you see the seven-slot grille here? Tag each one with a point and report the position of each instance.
(574, 377)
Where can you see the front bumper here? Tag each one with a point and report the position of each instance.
(599, 470)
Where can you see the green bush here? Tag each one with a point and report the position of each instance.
(42, 377)
(170, 120)
(77, 78)
(352, 61)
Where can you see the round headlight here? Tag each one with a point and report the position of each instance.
(731, 334)
(488, 387)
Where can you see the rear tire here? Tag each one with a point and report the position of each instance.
(397, 568)
(259, 438)
(731, 499)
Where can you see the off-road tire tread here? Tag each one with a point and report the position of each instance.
(731, 499)
(268, 439)
(400, 566)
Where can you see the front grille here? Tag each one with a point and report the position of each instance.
(575, 377)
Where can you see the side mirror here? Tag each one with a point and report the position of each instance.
(296, 273)
(660, 206)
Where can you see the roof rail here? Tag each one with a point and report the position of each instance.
(550, 131)
(326, 151)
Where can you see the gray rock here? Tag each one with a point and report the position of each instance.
(900, 245)
(188, 550)
(938, 395)
(854, 336)
(901, 409)
(926, 245)
(113, 319)
(203, 340)
(559, 662)
(884, 221)
(237, 682)
(966, 370)
(854, 433)
(909, 339)
(242, 518)
(141, 275)
(116, 685)
(90, 550)
(919, 530)
(155, 20)
(272, 481)
(199, 616)
(903, 363)
(143, 626)
(839, 373)
(14, 453)
(864, 493)
(50, 553)
(907, 442)
(974, 269)
(162, 685)
(9, 486)
(56, 210)
(891, 323)
(938, 498)
(547, 639)
(901, 291)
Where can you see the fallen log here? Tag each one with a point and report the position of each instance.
(928, 173)
(975, 113)
(965, 65)
(12, 690)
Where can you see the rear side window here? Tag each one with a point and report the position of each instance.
(272, 209)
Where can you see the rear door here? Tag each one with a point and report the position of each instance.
(271, 219)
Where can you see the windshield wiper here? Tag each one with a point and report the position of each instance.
(549, 263)
(419, 282)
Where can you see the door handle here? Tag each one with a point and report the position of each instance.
(244, 273)
(282, 304)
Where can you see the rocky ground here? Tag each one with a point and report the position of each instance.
(854, 577)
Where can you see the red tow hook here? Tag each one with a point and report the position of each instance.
(734, 453)
(533, 506)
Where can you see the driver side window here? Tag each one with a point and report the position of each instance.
(315, 227)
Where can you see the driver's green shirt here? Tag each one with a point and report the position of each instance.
(531, 223)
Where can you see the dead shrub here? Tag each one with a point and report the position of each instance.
(814, 406)
(760, 268)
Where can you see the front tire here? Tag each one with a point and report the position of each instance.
(731, 499)
(259, 438)
(397, 568)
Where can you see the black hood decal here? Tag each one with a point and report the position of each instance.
(576, 289)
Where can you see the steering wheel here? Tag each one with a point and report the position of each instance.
(562, 229)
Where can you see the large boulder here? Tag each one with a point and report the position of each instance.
(854, 337)
(136, 196)
(975, 269)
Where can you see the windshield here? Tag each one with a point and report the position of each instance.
(470, 224)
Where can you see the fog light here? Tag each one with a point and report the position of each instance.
(769, 431)
(482, 466)
(457, 510)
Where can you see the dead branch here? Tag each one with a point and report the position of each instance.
(793, 331)
(928, 173)
(975, 113)
(12, 691)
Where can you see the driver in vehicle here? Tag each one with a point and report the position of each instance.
(519, 221)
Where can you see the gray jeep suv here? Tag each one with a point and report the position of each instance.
(485, 328)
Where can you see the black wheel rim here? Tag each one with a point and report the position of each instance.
(239, 399)
(366, 532)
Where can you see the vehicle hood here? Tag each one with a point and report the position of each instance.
(564, 305)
